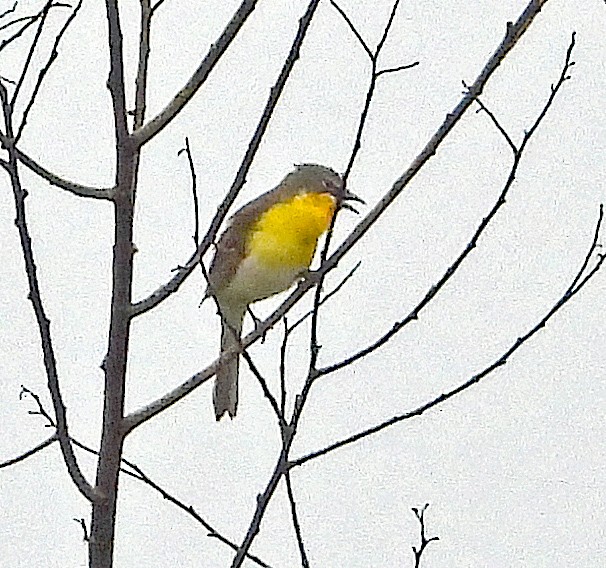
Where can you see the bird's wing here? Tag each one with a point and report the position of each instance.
(231, 247)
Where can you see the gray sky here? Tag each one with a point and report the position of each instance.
(513, 468)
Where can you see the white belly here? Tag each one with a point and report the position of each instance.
(255, 281)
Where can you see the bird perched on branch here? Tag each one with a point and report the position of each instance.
(268, 245)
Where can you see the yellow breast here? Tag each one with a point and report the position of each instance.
(287, 234)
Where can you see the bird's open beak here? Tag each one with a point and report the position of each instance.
(350, 196)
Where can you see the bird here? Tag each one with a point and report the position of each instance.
(268, 245)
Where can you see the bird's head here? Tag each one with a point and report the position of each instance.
(320, 179)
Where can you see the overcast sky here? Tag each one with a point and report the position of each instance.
(513, 468)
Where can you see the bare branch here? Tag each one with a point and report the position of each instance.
(70, 186)
(140, 416)
(147, 132)
(564, 76)
(283, 349)
(134, 472)
(212, 532)
(263, 500)
(115, 81)
(35, 298)
(387, 28)
(103, 518)
(137, 473)
(578, 283)
(76, 189)
(29, 21)
(514, 32)
(82, 523)
(418, 552)
(40, 411)
(433, 291)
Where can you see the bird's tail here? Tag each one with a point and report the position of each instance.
(225, 394)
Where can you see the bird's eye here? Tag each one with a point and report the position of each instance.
(331, 185)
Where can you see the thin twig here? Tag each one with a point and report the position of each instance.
(283, 351)
(142, 66)
(263, 500)
(82, 523)
(76, 189)
(564, 76)
(496, 122)
(196, 203)
(212, 532)
(261, 380)
(397, 69)
(327, 296)
(194, 190)
(29, 21)
(137, 473)
(418, 552)
(387, 28)
(45, 444)
(352, 28)
(295, 521)
(8, 11)
(32, 48)
(156, 6)
(43, 72)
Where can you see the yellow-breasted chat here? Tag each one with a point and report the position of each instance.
(267, 246)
